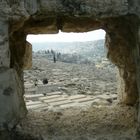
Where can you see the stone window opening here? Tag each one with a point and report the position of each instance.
(77, 78)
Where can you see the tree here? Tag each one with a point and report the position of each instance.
(54, 56)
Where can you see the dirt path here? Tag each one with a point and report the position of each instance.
(96, 123)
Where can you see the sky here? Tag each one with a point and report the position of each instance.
(67, 37)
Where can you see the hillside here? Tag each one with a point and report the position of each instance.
(69, 47)
(72, 52)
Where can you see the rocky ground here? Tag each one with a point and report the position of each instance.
(78, 103)
(74, 84)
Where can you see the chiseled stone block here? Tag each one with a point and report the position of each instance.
(27, 59)
(12, 107)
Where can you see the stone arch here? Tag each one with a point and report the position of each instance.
(120, 39)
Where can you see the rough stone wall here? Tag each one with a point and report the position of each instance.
(12, 106)
(4, 44)
(120, 41)
(11, 100)
(137, 61)
(94, 8)
(59, 10)
(20, 17)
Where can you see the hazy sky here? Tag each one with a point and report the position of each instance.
(67, 37)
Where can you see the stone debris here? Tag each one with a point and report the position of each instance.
(64, 101)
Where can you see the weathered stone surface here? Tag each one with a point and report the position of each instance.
(31, 6)
(17, 44)
(137, 61)
(19, 11)
(119, 39)
(81, 7)
(34, 26)
(12, 107)
(120, 19)
(27, 57)
(78, 25)
(4, 44)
